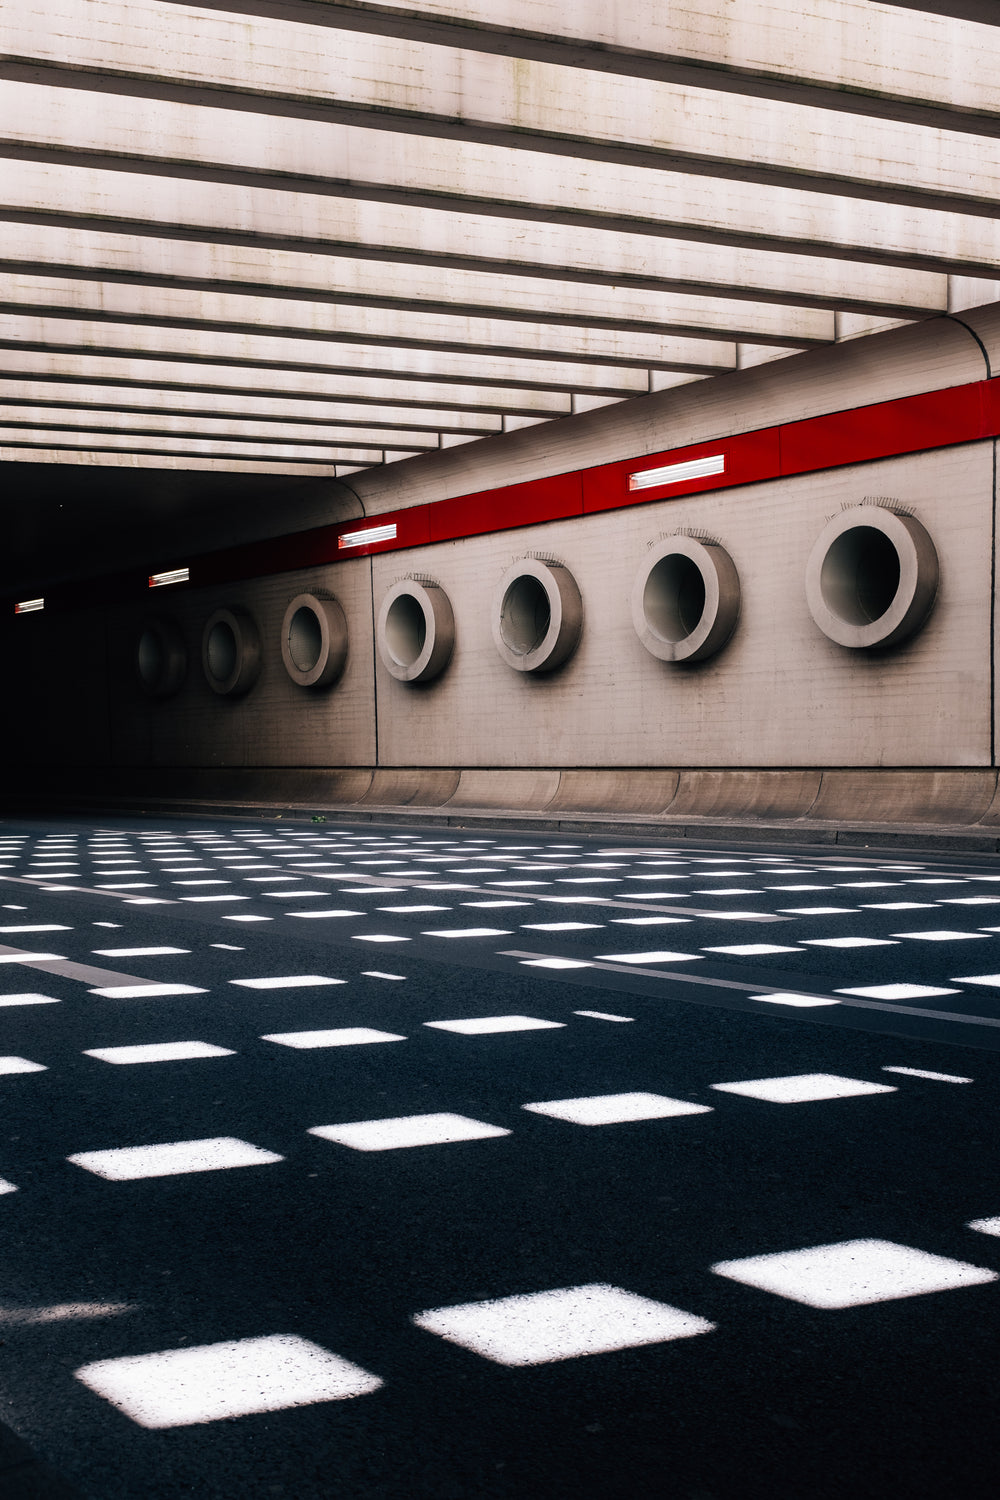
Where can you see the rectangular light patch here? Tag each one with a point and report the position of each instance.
(28, 606)
(213, 1382)
(541, 1327)
(172, 575)
(366, 536)
(172, 1159)
(692, 468)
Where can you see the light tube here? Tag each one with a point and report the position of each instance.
(692, 468)
(366, 536)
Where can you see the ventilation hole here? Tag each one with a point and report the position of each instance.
(151, 659)
(405, 630)
(673, 600)
(859, 578)
(525, 615)
(222, 651)
(305, 639)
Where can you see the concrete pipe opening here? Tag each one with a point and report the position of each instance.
(160, 658)
(230, 652)
(415, 631)
(537, 616)
(314, 640)
(872, 577)
(686, 600)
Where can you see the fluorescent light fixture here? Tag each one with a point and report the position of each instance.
(182, 1387)
(366, 536)
(692, 468)
(172, 575)
(28, 606)
(542, 1327)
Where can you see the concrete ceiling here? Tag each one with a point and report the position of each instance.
(298, 237)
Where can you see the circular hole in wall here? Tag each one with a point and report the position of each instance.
(686, 599)
(221, 651)
(150, 657)
(537, 615)
(673, 600)
(305, 639)
(230, 652)
(415, 630)
(314, 640)
(160, 658)
(872, 577)
(860, 575)
(405, 629)
(525, 615)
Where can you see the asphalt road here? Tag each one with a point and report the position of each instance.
(495, 1164)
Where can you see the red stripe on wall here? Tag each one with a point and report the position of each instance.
(885, 429)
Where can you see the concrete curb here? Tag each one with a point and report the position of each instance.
(774, 831)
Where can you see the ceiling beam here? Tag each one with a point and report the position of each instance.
(25, 439)
(455, 81)
(685, 342)
(232, 429)
(138, 369)
(194, 142)
(831, 53)
(39, 331)
(102, 254)
(110, 211)
(149, 400)
(831, 50)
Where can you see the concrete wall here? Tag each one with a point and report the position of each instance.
(779, 695)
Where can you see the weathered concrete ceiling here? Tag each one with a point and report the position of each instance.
(301, 237)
